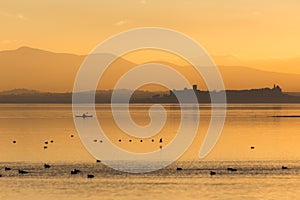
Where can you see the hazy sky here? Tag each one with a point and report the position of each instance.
(247, 29)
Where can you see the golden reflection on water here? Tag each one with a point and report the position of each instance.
(252, 125)
(259, 174)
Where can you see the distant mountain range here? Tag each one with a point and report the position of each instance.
(20, 91)
(55, 72)
(286, 65)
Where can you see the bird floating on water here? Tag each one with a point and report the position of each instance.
(75, 171)
(284, 167)
(7, 168)
(90, 176)
(23, 171)
(231, 169)
(46, 166)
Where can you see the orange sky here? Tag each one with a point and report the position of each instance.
(247, 29)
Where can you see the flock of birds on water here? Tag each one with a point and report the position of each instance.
(47, 166)
(90, 176)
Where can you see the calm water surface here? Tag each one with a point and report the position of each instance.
(258, 176)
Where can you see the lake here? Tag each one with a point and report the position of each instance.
(34, 134)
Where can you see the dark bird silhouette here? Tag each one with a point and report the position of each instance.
(179, 169)
(160, 140)
(284, 167)
(23, 171)
(152, 140)
(7, 168)
(46, 166)
(130, 140)
(45, 147)
(120, 140)
(71, 136)
(75, 171)
(46, 142)
(141, 140)
(212, 173)
(98, 161)
(231, 169)
(90, 176)
(252, 147)
(51, 141)
(14, 141)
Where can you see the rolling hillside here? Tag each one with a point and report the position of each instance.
(55, 72)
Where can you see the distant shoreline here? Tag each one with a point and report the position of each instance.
(146, 103)
(251, 96)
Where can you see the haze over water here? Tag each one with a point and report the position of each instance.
(258, 176)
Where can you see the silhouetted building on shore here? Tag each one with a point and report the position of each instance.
(260, 95)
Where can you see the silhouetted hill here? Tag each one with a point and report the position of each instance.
(19, 91)
(42, 70)
(286, 65)
(102, 96)
(55, 72)
(236, 78)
